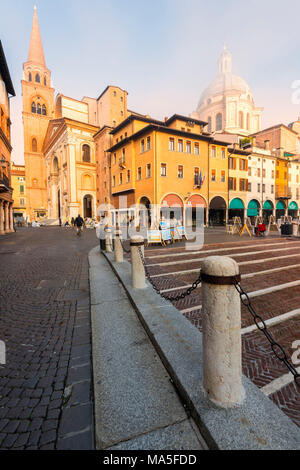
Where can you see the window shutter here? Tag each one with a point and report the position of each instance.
(234, 185)
(234, 163)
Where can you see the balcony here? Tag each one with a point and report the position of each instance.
(285, 193)
(4, 182)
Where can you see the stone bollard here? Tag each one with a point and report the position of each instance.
(118, 247)
(137, 267)
(221, 328)
(108, 241)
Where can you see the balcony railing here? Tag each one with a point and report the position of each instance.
(4, 181)
(285, 193)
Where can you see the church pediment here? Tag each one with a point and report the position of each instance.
(54, 128)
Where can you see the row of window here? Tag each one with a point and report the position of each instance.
(163, 172)
(37, 108)
(264, 173)
(37, 78)
(242, 162)
(187, 148)
(243, 122)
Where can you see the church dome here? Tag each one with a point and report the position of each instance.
(225, 82)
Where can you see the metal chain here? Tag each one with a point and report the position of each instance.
(157, 290)
(277, 349)
(123, 246)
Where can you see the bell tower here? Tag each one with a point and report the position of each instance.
(38, 110)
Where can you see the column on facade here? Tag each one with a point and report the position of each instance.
(6, 212)
(54, 202)
(73, 205)
(11, 217)
(2, 218)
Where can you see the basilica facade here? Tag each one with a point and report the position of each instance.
(59, 145)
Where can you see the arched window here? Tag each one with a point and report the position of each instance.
(241, 120)
(30, 77)
(34, 145)
(33, 107)
(209, 124)
(44, 110)
(34, 182)
(37, 78)
(39, 109)
(45, 81)
(248, 122)
(86, 153)
(219, 122)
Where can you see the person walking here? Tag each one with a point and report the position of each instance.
(72, 222)
(78, 223)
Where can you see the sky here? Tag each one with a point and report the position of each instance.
(163, 52)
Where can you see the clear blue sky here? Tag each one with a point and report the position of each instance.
(163, 52)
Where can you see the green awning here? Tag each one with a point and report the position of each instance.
(236, 204)
(293, 206)
(280, 205)
(253, 204)
(268, 206)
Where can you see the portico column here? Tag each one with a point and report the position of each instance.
(1, 218)
(6, 228)
(11, 217)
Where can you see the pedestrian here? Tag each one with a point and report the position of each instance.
(79, 222)
(72, 221)
(100, 231)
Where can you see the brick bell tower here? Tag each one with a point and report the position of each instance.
(38, 110)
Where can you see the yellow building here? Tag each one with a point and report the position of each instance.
(19, 187)
(171, 163)
(6, 192)
(238, 182)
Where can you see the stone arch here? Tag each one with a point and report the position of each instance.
(236, 208)
(193, 216)
(171, 207)
(88, 206)
(86, 153)
(219, 122)
(267, 210)
(217, 211)
(55, 165)
(33, 144)
(144, 212)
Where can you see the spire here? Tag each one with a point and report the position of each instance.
(225, 61)
(36, 52)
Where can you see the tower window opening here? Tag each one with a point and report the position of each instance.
(45, 81)
(44, 110)
(33, 107)
(30, 77)
(37, 78)
(39, 109)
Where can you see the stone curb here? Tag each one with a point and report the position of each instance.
(258, 424)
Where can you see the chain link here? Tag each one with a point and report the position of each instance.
(157, 290)
(277, 349)
(123, 246)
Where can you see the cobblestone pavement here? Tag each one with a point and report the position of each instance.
(45, 385)
(264, 263)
